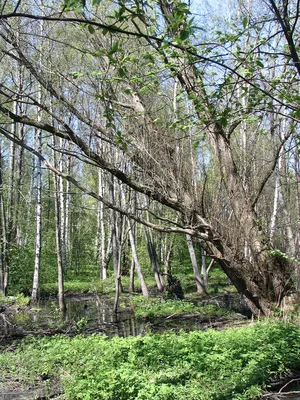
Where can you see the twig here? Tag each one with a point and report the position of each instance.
(293, 380)
(171, 316)
(280, 394)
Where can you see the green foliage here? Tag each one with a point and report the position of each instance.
(213, 365)
(155, 308)
(7, 301)
(74, 285)
(281, 254)
(22, 259)
(22, 301)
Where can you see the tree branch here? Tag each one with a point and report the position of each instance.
(189, 49)
(189, 231)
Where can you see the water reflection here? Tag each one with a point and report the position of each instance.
(91, 313)
(84, 314)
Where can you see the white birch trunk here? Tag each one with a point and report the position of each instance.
(60, 269)
(204, 271)
(38, 235)
(3, 238)
(199, 282)
(67, 216)
(58, 235)
(38, 210)
(62, 211)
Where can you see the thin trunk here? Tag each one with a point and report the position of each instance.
(204, 269)
(131, 276)
(11, 185)
(38, 236)
(115, 247)
(3, 238)
(38, 210)
(297, 240)
(19, 177)
(60, 269)
(136, 260)
(153, 256)
(132, 239)
(58, 235)
(29, 200)
(277, 192)
(153, 259)
(103, 253)
(62, 211)
(199, 282)
(68, 215)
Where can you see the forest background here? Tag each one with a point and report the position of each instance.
(144, 136)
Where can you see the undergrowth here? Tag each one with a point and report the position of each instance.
(155, 308)
(213, 365)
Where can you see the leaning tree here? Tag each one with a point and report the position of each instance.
(200, 116)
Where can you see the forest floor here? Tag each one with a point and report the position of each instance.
(255, 361)
(38, 344)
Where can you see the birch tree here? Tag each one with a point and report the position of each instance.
(132, 61)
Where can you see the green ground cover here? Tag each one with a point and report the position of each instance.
(157, 307)
(213, 365)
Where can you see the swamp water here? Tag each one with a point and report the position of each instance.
(91, 314)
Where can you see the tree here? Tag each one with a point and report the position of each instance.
(130, 81)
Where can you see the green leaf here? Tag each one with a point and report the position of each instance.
(259, 63)
(91, 29)
(195, 144)
(245, 22)
(114, 48)
(223, 121)
(184, 35)
(122, 72)
(297, 113)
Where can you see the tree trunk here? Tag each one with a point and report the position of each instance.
(136, 261)
(199, 282)
(115, 247)
(61, 196)
(263, 278)
(154, 259)
(204, 269)
(38, 236)
(68, 216)
(58, 236)
(131, 276)
(3, 238)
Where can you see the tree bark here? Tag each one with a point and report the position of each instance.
(198, 279)
(58, 235)
(38, 236)
(3, 238)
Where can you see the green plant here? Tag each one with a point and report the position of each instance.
(21, 300)
(213, 365)
(153, 307)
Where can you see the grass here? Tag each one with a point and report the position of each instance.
(213, 365)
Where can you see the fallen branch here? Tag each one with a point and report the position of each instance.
(287, 384)
(279, 395)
